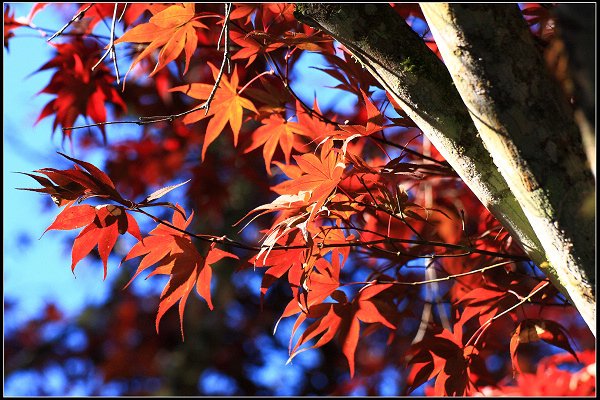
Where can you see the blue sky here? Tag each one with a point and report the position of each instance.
(35, 270)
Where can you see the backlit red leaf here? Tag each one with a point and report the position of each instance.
(78, 89)
(107, 224)
(73, 217)
(10, 23)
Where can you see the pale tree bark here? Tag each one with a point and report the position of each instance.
(399, 59)
(528, 128)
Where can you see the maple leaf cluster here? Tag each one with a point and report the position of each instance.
(78, 89)
(351, 230)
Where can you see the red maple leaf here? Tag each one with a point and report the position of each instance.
(280, 261)
(374, 121)
(321, 176)
(100, 11)
(534, 330)
(307, 118)
(445, 357)
(272, 12)
(243, 11)
(78, 89)
(103, 225)
(350, 73)
(110, 222)
(251, 46)
(484, 303)
(10, 23)
(65, 186)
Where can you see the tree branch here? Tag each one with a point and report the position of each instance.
(369, 244)
(398, 58)
(76, 17)
(111, 45)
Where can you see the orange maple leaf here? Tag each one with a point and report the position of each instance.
(319, 129)
(374, 121)
(342, 318)
(276, 130)
(173, 29)
(177, 257)
(313, 182)
(321, 176)
(227, 106)
(243, 11)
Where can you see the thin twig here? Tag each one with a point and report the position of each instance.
(398, 253)
(362, 180)
(427, 313)
(72, 128)
(79, 15)
(111, 46)
(479, 333)
(123, 12)
(207, 238)
(454, 276)
(225, 33)
(43, 32)
(436, 280)
(410, 151)
(158, 118)
(269, 72)
(464, 227)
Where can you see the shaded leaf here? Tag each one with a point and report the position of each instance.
(534, 330)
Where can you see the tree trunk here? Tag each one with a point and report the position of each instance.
(528, 128)
(399, 59)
